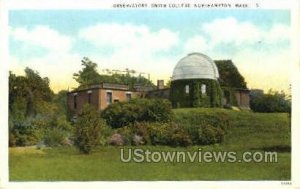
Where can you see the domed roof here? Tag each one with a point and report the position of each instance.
(195, 66)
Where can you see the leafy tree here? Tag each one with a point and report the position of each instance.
(34, 114)
(29, 89)
(273, 101)
(88, 75)
(60, 99)
(87, 129)
(229, 75)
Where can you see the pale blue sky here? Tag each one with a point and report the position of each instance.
(190, 30)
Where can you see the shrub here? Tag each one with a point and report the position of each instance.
(121, 114)
(22, 133)
(87, 129)
(208, 134)
(178, 136)
(273, 101)
(54, 137)
(53, 130)
(196, 122)
(156, 133)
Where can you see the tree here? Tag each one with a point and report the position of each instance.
(88, 75)
(87, 129)
(229, 75)
(29, 89)
(60, 99)
(273, 101)
(33, 114)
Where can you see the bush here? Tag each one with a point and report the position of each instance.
(169, 134)
(205, 123)
(208, 134)
(54, 137)
(270, 102)
(22, 133)
(155, 133)
(121, 114)
(87, 129)
(53, 129)
(50, 129)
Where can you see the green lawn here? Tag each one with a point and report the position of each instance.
(249, 132)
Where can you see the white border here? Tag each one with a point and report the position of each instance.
(6, 5)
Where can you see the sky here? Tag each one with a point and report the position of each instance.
(152, 41)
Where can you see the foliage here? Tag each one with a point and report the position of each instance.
(36, 114)
(60, 99)
(155, 133)
(88, 129)
(57, 131)
(229, 94)
(208, 134)
(250, 132)
(273, 101)
(229, 75)
(195, 98)
(28, 90)
(170, 134)
(120, 114)
(22, 133)
(204, 127)
(89, 75)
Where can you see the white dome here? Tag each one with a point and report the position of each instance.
(195, 66)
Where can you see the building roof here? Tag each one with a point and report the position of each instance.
(195, 66)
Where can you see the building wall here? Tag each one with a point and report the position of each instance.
(160, 93)
(188, 93)
(243, 99)
(97, 98)
(82, 98)
(117, 95)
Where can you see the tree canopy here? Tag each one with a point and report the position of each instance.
(89, 75)
(229, 75)
(273, 101)
(30, 89)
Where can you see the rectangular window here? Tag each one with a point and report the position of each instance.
(109, 97)
(75, 101)
(128, 96)
(203, 89)
(187, 89)
(89, 96)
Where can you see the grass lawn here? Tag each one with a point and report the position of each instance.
(249, 132)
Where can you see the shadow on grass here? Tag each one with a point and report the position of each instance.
(277, 148)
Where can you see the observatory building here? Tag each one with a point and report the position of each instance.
(195, 82)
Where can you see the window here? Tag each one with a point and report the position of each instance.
(203, 89)
(128, 96)
(89, 97)
(75, 101)
(187, 89)
(109, 97)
